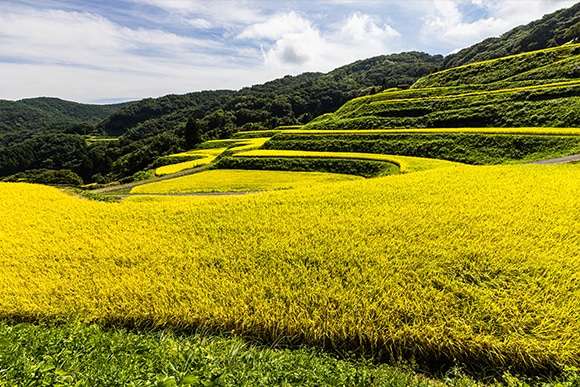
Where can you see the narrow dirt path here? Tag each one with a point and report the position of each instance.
(234, 193)
(558, 160)
(128, 186)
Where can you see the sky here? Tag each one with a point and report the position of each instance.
(104, 51)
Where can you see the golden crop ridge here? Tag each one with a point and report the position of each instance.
(407, 164)
(225, 180)
(470, 264)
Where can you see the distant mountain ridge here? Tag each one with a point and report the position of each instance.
(549, 31)
(51, 113)
(289, 100)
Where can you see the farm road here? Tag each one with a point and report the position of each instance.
(127, 187)
(558, 160)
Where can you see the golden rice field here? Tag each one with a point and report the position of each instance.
(531, 130)
(225, 180)
(498, 130)
(473, 264)
(209, 155)
(406, 163)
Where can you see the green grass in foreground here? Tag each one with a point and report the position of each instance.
(79, 355)
(75, 354)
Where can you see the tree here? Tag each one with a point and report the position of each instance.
(573, 33)
(193, 133)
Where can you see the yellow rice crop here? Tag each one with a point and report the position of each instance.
(224, 180)
(531, 130)
(469, 263)
(209, 155)
(248, 144)
(406, 163)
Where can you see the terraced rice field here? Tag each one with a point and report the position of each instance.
(473, 264)
(240, 181)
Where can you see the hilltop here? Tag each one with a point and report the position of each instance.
(552, 30)
(45, 114)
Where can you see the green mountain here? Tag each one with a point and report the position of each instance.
(286, 101)
(539, 88)
(42, 114)
(552, 30)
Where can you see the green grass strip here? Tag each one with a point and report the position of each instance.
(407, 164)
(80, 355)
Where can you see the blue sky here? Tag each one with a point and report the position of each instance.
(99, 51)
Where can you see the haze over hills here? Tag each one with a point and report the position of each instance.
(151, 127)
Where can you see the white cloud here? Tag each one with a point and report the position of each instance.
(84, 39)
(277, 27)
(294, 43)
(217, 13)
(447, 25)
(360, 28)
(297, 50)
(138, 48)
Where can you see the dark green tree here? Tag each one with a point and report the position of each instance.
(193, 133)
(573, 32)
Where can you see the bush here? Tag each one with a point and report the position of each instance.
(60, 177)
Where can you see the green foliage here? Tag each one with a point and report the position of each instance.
(46, 176)
(573, 32)
(140, 155)
(287, 101)
(50, 151)
(75, 354)
(193, 133)
(60, 177)
(365, 168)
(471, 148)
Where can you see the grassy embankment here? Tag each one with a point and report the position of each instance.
(540, 88)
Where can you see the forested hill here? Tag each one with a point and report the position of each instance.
(552, 30)
(286, 101)
(41, 135)
(46, 114)
(46, 134)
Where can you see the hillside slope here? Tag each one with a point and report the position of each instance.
(540, 88)
(286, 101)
(550, 31)
(35, 114)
